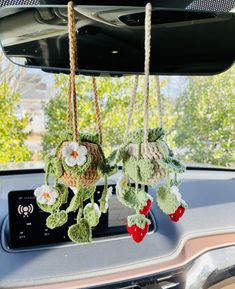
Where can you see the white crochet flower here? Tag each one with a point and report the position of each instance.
(74, 154)
(96, 208)
(46, 195)
(122, 182)
(108, 196)
(175, 191)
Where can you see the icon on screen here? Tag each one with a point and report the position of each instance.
(25, 210)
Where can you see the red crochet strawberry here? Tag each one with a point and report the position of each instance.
(177, 214)
(137, 226)
(145, 210)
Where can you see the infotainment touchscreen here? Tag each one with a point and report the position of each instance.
(27, 222)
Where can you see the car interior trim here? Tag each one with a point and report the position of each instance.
(192, 249)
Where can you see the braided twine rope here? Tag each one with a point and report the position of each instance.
(90, 176)
(148, 150)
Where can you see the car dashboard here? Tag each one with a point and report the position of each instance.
(196, 252)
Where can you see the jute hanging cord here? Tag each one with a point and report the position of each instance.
(147, 70)
(159, 100)
(146, 82)
(147, 47)
(140, 146)
(97, 110)
(73, 63)
(72, 82)
(131, 107)
(90, 175)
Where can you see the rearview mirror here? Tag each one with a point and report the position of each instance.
(111, 39)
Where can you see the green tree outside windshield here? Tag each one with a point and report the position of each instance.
(205, 119)
(199, 124)
(12, 128)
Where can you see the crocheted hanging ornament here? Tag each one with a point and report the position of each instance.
(79, 154)
(141, 159)
(147, 155)
(137, 226)
(170, 200)
(77, 162)
(147, 159)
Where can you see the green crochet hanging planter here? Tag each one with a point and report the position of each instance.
(81, 179)
(147, 163)
(147, 159)
(77, 162)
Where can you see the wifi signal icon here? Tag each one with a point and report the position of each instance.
(25, 210)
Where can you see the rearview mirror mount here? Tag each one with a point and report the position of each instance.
(111, 39)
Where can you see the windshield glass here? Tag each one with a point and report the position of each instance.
(197, 113)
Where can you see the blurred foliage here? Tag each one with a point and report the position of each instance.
(114, 98)
(200, 124)
(12, 128)
(205, 120)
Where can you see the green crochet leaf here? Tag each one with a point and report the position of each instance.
(56, 220)
(171, 154)
(62, 198)
(132, 198)
(78, 170)
(93, 138)
(163, 147)
(105, 168)
(74, 203)
(167, 202)
(91, 215)
(87, 192)
(146, 169)
(80, 232)
(53, 166)
(65, 136)
(116, 156)
(137, 136)
(50, 208)
(86, 137)
(175, 182)
(139, 170)
(103, 202)
(63, 190)
(138, 219)
(156, 134)
(171, 165)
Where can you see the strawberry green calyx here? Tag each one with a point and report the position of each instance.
(138, 220)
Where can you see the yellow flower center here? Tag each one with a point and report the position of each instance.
(74, 154)
(46, 195)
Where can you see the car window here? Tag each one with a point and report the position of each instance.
(198, 113)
